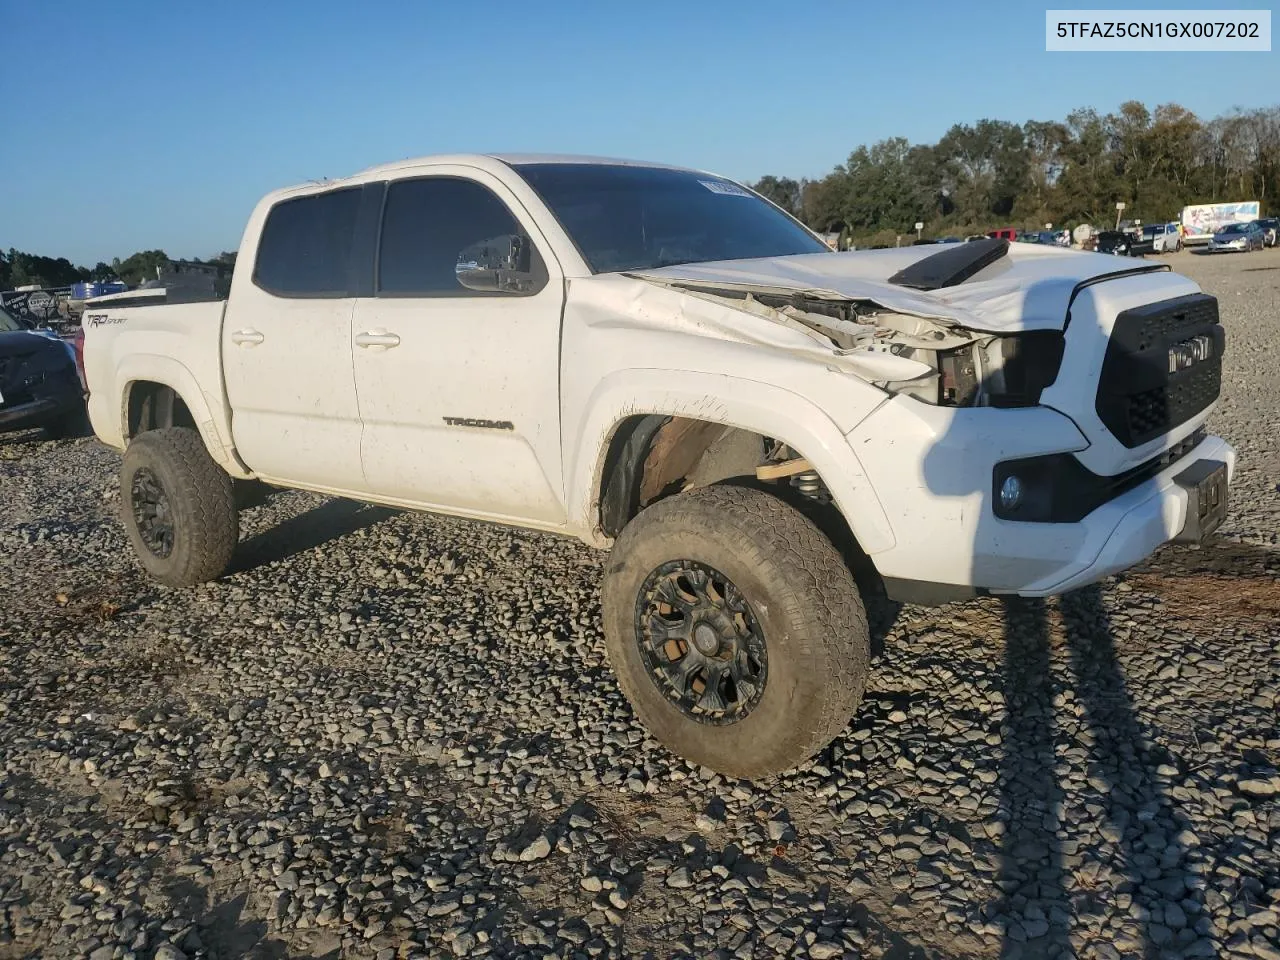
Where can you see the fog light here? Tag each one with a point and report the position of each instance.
(1010, 492)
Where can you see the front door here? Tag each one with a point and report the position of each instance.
(456, 363)
(286, 346)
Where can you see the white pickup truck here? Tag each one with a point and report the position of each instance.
(661, 362)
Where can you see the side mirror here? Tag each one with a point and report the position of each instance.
(497, 265)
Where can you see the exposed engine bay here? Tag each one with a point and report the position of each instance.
(929, 359)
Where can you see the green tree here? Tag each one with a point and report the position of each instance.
(783, 191)
(1088, 186)
(985, 168)
(26, 269)
(140, 267)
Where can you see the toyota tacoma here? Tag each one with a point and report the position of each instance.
(664, 364)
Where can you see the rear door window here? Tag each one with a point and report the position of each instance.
(306, 245)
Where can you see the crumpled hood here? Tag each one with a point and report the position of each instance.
(1030, 288)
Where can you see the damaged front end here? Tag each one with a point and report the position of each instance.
(933, 360)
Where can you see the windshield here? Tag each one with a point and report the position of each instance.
(9, 323)
(1149, 232)
(640, 218)
(1234, 228)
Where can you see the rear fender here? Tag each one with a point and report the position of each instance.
(166, 371)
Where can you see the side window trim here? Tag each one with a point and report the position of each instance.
(538, 262)
(363, 268)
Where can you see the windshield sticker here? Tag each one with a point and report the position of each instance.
(725, 188)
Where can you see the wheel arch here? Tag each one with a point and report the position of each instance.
(628, 410)
(171, 387)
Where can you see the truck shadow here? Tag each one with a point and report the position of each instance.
(1031, 868)
(314, 528)
(1137, 834)
(1080, 854)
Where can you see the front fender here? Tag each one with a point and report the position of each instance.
(748, 404)
(155, 368)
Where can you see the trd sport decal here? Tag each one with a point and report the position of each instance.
(476, 422)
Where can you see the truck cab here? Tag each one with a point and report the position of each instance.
(1158, 238)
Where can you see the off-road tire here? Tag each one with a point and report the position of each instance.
(201, 501)
(805, 601)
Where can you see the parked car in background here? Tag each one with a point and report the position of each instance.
(1238, 238)
(1115, 242)
(1005, 233)
(1270, 227)
(1158, 238)
(40, 384)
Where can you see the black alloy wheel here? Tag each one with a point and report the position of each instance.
(701, 643)
(152, 512)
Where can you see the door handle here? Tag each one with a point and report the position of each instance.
(377, 338)
(247, 338)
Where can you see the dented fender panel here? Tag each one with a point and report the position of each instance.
(750, 405)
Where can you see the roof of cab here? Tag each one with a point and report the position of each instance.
(512, 159)
(493, 162)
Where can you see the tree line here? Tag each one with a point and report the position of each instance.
(996, 173)
(18, 269)
(989, 174)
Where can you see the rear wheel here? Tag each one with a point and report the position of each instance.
(178, 507)
(735, 630)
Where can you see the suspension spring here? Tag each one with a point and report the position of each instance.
(811, 485)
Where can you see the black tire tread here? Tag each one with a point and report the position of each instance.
(836, 644)
(207, 500)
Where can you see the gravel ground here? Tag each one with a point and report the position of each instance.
(396, 735)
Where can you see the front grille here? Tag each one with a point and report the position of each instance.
(1142, 392)
(1165, 324)
(1153, 412)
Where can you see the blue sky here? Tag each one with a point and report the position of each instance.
(158, 125)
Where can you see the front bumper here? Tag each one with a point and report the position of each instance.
(931, 470)
(1133, 526)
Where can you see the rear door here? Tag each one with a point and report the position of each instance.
(286, 343)
(459, 386)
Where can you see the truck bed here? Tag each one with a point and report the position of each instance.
(178, 344)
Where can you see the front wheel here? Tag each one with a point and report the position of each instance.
(178, 507)
(735, 630)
